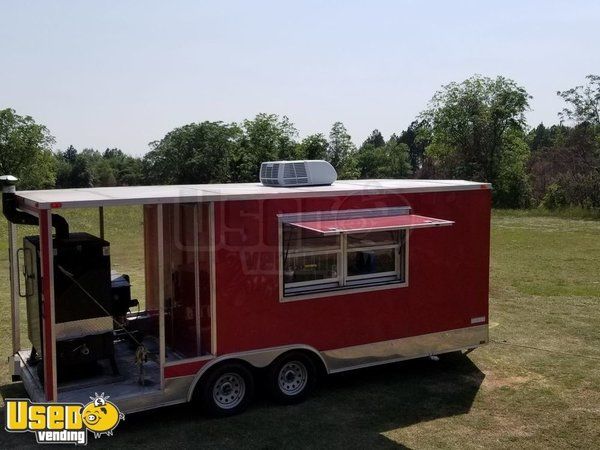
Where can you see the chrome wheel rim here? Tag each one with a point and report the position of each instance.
(229, 390)
(292, 378)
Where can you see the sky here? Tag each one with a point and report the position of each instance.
(124, 73)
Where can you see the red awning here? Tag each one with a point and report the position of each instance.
(357, 224)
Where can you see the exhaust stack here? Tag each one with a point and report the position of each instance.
(16, 216)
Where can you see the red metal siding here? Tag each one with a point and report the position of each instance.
(448, 276)
(184, 368)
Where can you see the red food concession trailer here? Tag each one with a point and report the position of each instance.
(279, 281)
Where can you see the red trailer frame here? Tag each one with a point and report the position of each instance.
(431, 298)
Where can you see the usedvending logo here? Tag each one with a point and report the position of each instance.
(63, 423)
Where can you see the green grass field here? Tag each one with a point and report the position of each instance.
(537, 385)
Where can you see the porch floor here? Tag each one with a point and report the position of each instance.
(125, 384)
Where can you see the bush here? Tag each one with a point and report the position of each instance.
(581, 190)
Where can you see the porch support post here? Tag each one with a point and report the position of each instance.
(161, 292)
(101, 221)
(212, 248)
(48, 316)
(14, 293)
(197, 277)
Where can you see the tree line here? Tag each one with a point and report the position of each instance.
(474, 130)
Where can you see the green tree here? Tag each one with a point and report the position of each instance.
(539, 137)
(512, 187)
(267, 137)
(370, 161)
(370, 156)
(417, 137)
(70, 154)
(398, 156)
(312, 147)
(25, 151)
(82, 173)
(572, 156)
(473, 125)
(341, 152)
(126, 169)
(349, 169)
(131, 175)
(375, 139)
(388, 161)
(583, 102)
(102, 172)
(64, 166)
(194, 153)
(89, 168)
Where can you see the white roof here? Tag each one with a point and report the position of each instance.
(138, 195)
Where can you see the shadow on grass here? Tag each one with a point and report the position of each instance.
(351, 409)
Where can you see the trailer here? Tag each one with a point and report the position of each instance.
(279, 282)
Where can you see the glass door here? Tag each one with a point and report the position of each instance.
(187, 285)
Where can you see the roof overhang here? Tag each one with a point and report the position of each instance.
(142, 195)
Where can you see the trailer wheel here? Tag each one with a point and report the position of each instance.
(227, 390)
(291, 378)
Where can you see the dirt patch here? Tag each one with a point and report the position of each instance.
(493, 381)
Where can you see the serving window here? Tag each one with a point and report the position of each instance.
(311, 261)
(375, 256)
(314, 262)
(334, 251)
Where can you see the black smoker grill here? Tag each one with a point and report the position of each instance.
(83, 303)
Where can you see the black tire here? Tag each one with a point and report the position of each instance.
(452, 357)
(291, 378)
(226, 390)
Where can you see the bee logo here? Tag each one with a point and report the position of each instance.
(101, 416)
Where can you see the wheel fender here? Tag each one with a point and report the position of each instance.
(256, 358)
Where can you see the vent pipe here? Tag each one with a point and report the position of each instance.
(16, 216)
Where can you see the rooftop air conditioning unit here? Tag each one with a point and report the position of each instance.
(297, 173)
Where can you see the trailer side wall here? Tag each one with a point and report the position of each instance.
(448, 276)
